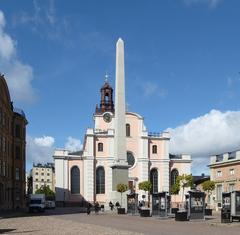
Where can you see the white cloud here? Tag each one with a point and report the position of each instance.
(213, 133)
(40, 150)
(73, 144)
(45, 141)
(210, 3)
(18, 75)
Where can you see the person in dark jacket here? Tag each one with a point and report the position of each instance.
(111, 205)
(89, 208)
(96, 207)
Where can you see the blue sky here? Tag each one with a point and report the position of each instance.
(181, 60)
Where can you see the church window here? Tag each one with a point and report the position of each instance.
(154, 180)
(106, 98)
(100, 180)
(75, 180)
(154, 149)
(100, 147)
(174, 175)
(128, 131)
(130, 159)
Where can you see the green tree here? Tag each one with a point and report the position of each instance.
(146, 186)
(184, 181)
(175, 189)
(208, 186)
(47, 191)
(121, 188)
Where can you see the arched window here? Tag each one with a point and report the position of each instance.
(106, 98)
(128, 131)
(100, 180)
(130, 159)
(174, 175)
(100, 147)
(75, 180)
(154, 149)
(154, 180)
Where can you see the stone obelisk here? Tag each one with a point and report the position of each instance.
(120, 165)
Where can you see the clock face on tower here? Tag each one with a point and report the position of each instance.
(107, 117)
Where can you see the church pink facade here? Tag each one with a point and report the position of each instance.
(87, 175)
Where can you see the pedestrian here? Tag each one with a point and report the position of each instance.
(96, 207)
(111, 205)
(117, 204)
(89, 208)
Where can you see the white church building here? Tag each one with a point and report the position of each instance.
(117, 149)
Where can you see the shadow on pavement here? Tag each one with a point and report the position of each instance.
(2, 231)
(48, 212)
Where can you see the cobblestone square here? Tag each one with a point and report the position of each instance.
(71, 221)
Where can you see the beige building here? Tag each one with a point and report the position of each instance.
(225, 172)
(43, 175)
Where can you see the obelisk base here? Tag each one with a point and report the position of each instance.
(119, 176)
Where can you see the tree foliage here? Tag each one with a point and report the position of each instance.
(208, 186)
(121, 188)
(175, 189)
(46, 190)
(184, 181)
(146, 186)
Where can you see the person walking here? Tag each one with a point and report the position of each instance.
(111, 205)
(89, 208)
(96, 207)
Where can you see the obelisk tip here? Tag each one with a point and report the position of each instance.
(120, 40)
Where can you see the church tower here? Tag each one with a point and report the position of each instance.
(106, 103)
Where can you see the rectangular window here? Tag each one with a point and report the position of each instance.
(36, 179)
(219, 173)
(42, 173)
(219, 192)
(36, 186)
(17, 174)
(48, 180)
(48, 174)
(231, 171)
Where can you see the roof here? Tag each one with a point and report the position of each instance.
(106, 85)
(19, 111)
(198, 179)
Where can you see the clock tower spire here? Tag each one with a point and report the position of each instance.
(106, 103)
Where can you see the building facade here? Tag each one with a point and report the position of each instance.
(40, 175)
(225, 172)
(118, 149)
(12, 151)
